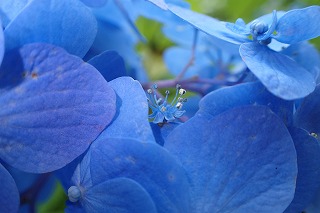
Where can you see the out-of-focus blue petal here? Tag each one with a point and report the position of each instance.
(53, 105)
(306, 55)
(2, 45)
(228, 160)
(252, 93)
(281, 75)
(131, 119)
(161, 132)
(314, 206)
(160, 3)
(110, 64)
(9, 196)
(308, 180)
(146, 163)
(9, 9)
(118, 195)
(306, 116)
(94, 3)
(68, 24)
(298, 25)
(208, 25)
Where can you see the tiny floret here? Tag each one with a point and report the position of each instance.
(74, 194)
(162, 111)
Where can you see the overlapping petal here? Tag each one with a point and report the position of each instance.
(298, 25)
(53, 105)
(227, 159)
(9, 196)
(280, 74)
(68, 24)
(95, 3)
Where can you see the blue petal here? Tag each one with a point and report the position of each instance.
(110, 64)
(308, 113)
(131, 120)
(280, 74)
(68, 24)
(146, 163)
(306, 55)
(253, 93)
(242, 160)
(53, 105)
(118, 195)
(9, 9)
(298, 25)
(308, 180)
(2, 46)
(208, 25)
(162, 131)
(95, 3)
(160, 3)
(9, 196)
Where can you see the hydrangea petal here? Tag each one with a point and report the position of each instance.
(161, 132)
(280, 74)
(95, 3)
(9, 9)
(68, 24)
(252, 93)
(146, 163)
(131, 120)
(160, 3)
(208, 25)
(308, 112)
(308, 180)
(110, 64)
(53, 105)
(2, 46)
(228, 160)
(298, 25)
(118, 195)
(9, 196)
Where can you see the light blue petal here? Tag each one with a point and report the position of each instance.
(146, 163)
(95, 3)
(298, 25)
(53, 105)
(306, 116)
(160, 3)
(131, 120)
(68, 24)
(9, 9)
(308, 180)
(280, 74)
(110, 64)
(252, 93)
(242, 160)
(208, 25)
(119, 195)
(9, 196)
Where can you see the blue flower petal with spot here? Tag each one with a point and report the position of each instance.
(110, 64)
(53, 105)
(252, 93)
(146, 163)
(9, 196)
(308, 180)
(95, 3)
(227, 159)
(131, 119)
(281, 75)
(208, 25)
(118, 195)
(298, 25)
(68, 24)
(306, 116)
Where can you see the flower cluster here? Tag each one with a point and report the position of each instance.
(79, 110)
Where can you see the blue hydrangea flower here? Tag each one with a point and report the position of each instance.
(162, 110)
(279, 73)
